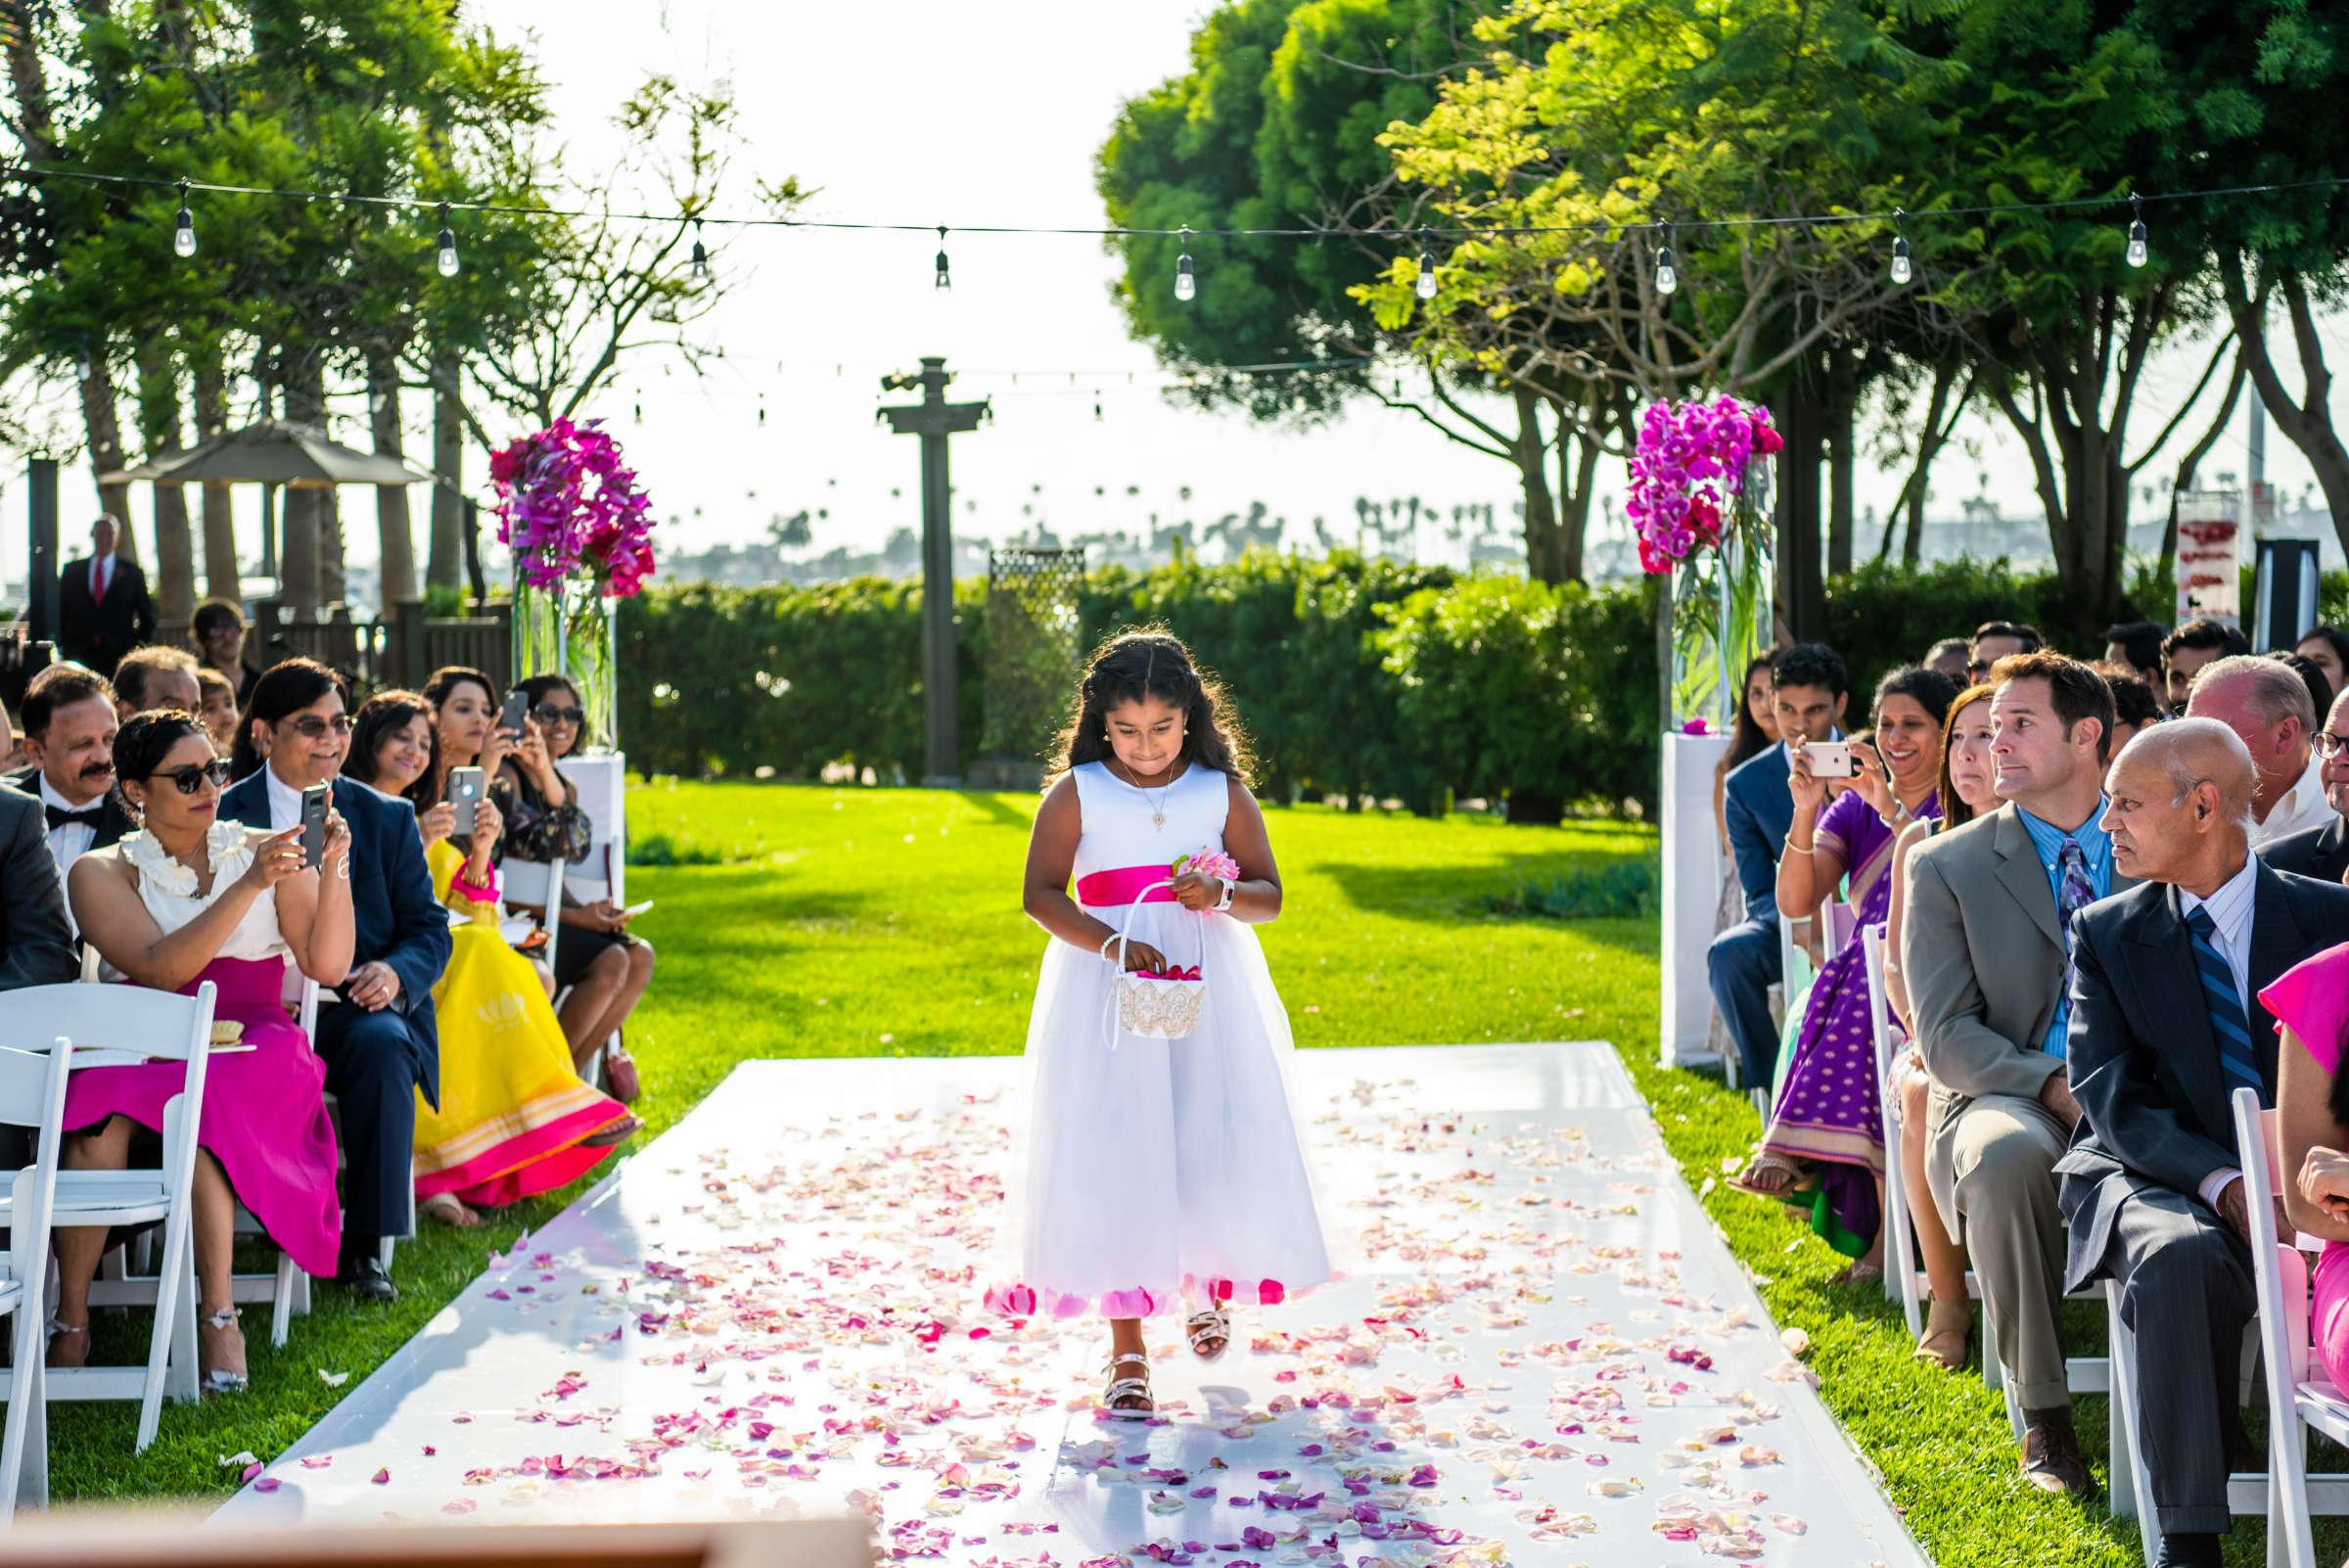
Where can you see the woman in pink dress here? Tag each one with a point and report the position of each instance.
(2311, 1005)
(185, 900)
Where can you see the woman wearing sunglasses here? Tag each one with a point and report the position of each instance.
(186, 899)
(604, 965)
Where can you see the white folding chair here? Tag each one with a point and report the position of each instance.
(2299, 1396)
(114, 1025)
(33, 1093)
(535, 884)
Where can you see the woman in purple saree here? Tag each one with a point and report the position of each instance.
(1827, 1128)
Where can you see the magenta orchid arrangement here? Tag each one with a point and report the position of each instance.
(1689, 464)
(568, 505)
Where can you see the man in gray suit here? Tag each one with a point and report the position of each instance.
(36, 948)
(2166, 1025)
(1983, 946)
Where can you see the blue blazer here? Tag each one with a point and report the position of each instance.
(397, 920)
(1760, 815)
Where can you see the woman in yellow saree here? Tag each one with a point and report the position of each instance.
(514, 1118)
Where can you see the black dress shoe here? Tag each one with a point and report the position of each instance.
(364, 1278)
(2051, 1460)
(2190, 1551)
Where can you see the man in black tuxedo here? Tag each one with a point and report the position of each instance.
(2166, 1024)
(381, 1042)
(69, 724)
(2323, 851)
(103, 608)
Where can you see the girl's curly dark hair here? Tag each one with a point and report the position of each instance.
(1153, 662)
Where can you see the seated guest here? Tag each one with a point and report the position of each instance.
(380, 1044)
(156, 677)
(1950, 656)
(186, 899)
(2133, 704)
(2328, 646)
(2186, 650)
(2136, 646)
(1808, 689)
(37, 945)
(2311, 1008)
(1757, 729)
(2166, 1024)
(1967, 791)
(2323, 851)
(218, 710)
(1983, 953)
(605, 965)
(12, 751)
(513, 1119)
(1826, 1123)
(1995, 640)
(2267, 707)
(217, 630)
(69, 726)
(2312, 675)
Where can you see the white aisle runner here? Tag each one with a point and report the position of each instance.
(1544, 1354)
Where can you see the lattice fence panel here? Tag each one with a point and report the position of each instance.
(1034, 652)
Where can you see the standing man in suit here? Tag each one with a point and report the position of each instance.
(382, 1044)
(1808, 688)
(2166, 1025)
(1983, 947)
(2322, 851)
(70, 727)
(103, 610)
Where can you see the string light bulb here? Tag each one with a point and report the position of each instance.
(1425, 287)
(1902, 270)
(941, 281)
(446, 260)
(1186, 282)
(1668, 276)
(700, 256)
(2137, 254)
(183, 232)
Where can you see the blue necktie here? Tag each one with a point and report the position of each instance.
(2227, 1020)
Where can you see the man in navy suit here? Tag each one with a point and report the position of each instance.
(381, 1043)
(1808, 689)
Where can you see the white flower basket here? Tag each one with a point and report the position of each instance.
(1149, 1006)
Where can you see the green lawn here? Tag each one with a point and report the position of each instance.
(819, 922)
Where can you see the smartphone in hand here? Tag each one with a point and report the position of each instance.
(517, 712)
(1832, 759)
(313, 825)
(465, 784)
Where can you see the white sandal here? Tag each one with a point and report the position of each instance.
(1213, 1324)
(218, 1381)
(1129, 1388)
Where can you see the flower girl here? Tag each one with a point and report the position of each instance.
(1162, 1165)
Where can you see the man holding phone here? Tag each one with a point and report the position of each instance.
(1808, 688)
(382, 1044)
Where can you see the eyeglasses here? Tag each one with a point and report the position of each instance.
(312, 726)
(1976, 668)
(2329, 745)
(188, 780)
(549, 714)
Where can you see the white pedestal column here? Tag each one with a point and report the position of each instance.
(1694, 863)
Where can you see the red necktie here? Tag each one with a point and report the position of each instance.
(98, 576)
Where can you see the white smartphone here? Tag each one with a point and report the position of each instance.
(1832, 759)
(635, 909)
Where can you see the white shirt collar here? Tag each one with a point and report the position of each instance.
(50, 796)
(285, 800)
(2301, 807)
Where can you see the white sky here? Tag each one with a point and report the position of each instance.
(958, 119)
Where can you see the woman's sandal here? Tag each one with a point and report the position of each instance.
(1122, 1389)
(1858, 1272)
(1949, 1329)
(218, 1381)
(620, 1132)
(1213, 1324)
(450, 1210)
(1789, 1192)
(72, 1333)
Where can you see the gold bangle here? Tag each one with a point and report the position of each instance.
(1793, 848)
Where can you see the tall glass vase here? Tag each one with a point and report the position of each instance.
(569, 628)
(1721, 609)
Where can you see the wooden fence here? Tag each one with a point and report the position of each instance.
(401, 649)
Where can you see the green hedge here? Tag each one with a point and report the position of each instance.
(1371, 679)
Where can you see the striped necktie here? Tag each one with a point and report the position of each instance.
(2227, 1021)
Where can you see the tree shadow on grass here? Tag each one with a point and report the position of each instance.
(994, 804)
(1461, 894)
(745, 912)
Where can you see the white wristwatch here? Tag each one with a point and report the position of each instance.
(1229, 886)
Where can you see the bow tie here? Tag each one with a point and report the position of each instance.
(60, 816)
